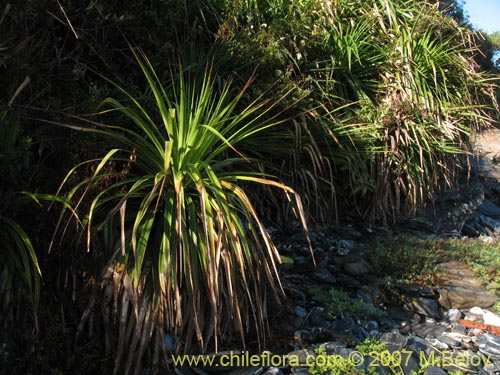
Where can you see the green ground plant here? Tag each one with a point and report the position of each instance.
(341, 304)
(376, 358)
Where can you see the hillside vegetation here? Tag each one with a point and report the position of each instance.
(144, 145)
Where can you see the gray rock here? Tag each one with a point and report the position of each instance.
(458, 328)
(457, 273)
(489, 345)
(358, 268)
(424, 306)
(461, 298)
(426, 329)
(333, 347)
(294, 293)
(359, 332)
(300, 311)
(475, 331)
(452, 315)
(434, 370)
(349, 281)
(490, 223)
(344, 247)
(489, 208)
(342, 326)
(371, 325)
(317, 317)
(417, 344)
(435, 343)
(389, 323)
(302, 355)
(322, 275)
(394, 340)
(464, 340)
(469, 229)
(373, 333)
(450, 341)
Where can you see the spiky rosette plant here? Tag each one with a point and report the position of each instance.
(191, 256)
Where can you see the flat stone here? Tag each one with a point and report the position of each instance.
(452, 315)
(437, 344)
(424, 306)
(394, 340)
(300, 311)
(461, 298)
(302, 355)
(466, 283)
(342, 326)
(489, 345)
(346, 280)
(461, 289)
(333, 347)
(426, 329)
(490, 223)
(489, 208)
(324, 276)
(387, 322)
(458, 329)
(470, 230)
(461, 338)
(417, 344)
(459, 274)
(358, 268)
(449, 341)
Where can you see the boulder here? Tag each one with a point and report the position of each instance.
(454, 297)
(461, 289)
(358, 268)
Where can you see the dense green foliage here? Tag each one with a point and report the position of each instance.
(365, 109)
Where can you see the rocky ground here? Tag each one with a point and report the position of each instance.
(344, 300)
(334, 306)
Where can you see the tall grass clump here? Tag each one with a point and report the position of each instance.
(189, 256)
(393, 96)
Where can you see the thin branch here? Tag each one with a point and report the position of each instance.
(67, 19)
